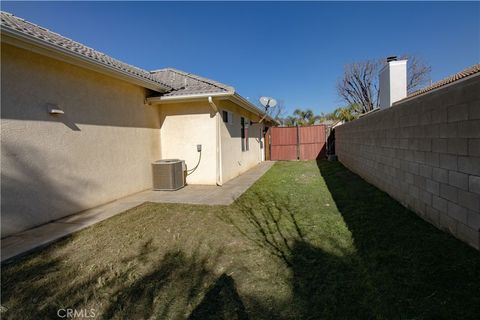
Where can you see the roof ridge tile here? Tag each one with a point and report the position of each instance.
(196, 84)
(39, 33)
(472, 70)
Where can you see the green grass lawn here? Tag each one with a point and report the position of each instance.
(308, 241)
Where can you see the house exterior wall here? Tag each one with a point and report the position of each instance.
(234, 160)
(53, 166)
(183, 126)
(424, 152)
(186, 124)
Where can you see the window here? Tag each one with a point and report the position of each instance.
(244, 133)
(247, 125)
(227, 117)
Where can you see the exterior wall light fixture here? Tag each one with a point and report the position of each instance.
(53, 109)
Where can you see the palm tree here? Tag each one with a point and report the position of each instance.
(344, 113)
(290, 121)
(305, 117)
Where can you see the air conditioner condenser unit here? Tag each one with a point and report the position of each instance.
(168, 174)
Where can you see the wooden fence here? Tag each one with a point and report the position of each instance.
(296, 143)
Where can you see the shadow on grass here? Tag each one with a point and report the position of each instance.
(221, 302)
(362, 257)
(414, 269)
(272, 221)
(399, 266)
(39, 292)
(324, 285)
(174, 285)
(165, 292)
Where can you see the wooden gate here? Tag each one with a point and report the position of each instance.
(297, 143)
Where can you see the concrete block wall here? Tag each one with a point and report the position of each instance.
(424, 152)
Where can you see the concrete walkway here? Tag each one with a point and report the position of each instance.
(28, 240)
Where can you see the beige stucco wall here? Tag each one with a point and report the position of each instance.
(183, 126)
(186, 124)
(234, 160)
(100, 150)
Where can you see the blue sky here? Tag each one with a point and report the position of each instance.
(292, 51)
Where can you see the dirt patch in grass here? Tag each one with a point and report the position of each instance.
(308, 241)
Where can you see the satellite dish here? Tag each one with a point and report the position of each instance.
(268, 102)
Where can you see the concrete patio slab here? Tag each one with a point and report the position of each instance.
(34, 238)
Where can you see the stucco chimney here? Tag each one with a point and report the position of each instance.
(393, 82)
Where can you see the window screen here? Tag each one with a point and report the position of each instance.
(227, 117)
(244, 133)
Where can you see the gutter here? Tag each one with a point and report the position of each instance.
(21, 40)
(232, 96)
(188, 97)
(219, 177)
(252, 108)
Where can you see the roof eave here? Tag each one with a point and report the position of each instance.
(232, 96)
(21, 40)
(187, 97)
(414, 96)
(238, 99)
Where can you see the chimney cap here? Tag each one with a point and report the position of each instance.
(391, 58)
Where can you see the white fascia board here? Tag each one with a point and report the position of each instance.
(188, 97)
(244, 103)
(232, 96)
(23, 41)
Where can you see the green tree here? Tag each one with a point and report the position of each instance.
(305, 117)
(289, 121)
(346, 114)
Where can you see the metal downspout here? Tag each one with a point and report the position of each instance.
(219, 177)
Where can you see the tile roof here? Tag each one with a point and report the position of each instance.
(184, 83)
(35, 32)
(458, 76)
(174, 82)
